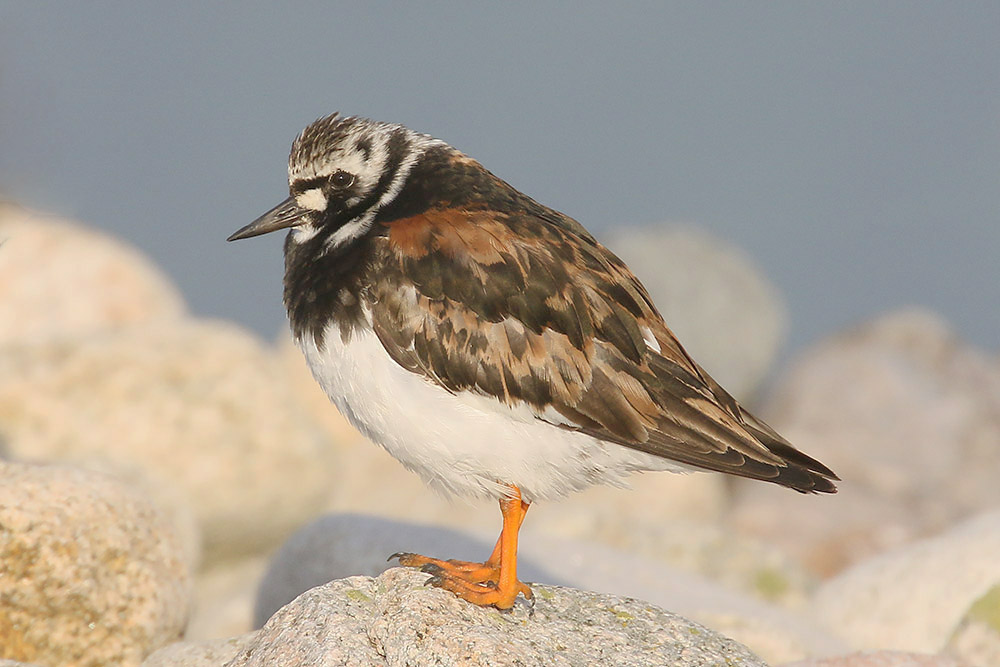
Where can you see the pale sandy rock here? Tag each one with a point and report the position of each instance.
(224, 599)
(722, 308)
(337, 546)
(900, 409)
(169, 497)
(204, 653)
(882, 659)
(913, 598)
(91, 571)
(202, 406)
(976, 639)
(61, 279)
(395, 620)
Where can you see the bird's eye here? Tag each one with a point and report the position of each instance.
(342, 179)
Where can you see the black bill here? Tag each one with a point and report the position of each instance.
(284, 215)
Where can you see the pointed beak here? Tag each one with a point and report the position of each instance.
(284, 215)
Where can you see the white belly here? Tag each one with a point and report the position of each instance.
(465, 444)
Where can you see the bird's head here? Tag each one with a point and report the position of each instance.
(341, 172)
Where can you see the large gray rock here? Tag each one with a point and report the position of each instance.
(201, 407)
(339, 546)
(907, 415)
(725, 312)
(396, 620)
(90, 570)
(60, 279)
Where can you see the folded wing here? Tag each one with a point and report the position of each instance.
(529, 308)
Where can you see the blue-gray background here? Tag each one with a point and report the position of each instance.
(851, 148)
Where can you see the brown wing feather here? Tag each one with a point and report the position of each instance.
(529, 308)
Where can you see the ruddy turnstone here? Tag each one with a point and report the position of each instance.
(488, 342)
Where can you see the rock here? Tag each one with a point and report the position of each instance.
(337, 546)
(976, 639)
(60, 279)
(224, 599)
(900, 409)
(913, 598)
(343, 545)
(201, 406)
(91, 571)
(881, 659)
(395, 620)
(722, 308)
(206, 653)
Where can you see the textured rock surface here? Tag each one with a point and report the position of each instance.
(395, 620)
(338, 546)
(900, 409)
(201, 406)
(725, 312)
(882, 659)
(208, 653)
(60, 279)
(91, 573)
(914, 598)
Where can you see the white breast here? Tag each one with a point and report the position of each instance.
(465, 444)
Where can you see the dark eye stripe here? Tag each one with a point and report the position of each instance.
(308, 184)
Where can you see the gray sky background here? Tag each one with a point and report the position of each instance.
(851, 148)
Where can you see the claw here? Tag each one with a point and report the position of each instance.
(490, 583)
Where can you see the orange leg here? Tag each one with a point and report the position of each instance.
(493, 582)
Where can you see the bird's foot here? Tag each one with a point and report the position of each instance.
(478, 583)
(475, 573)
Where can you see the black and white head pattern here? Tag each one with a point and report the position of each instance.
(343, 170)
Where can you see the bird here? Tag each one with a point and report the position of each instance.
(489, 343)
